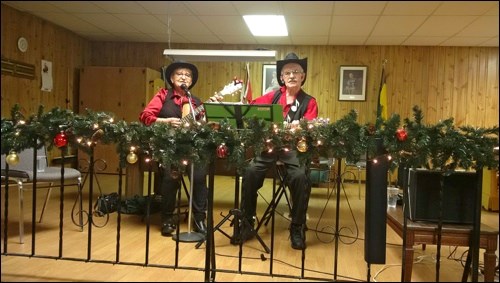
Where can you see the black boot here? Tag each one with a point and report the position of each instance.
(200, 226)
(246, 231)
(297, 237)
(168, 226)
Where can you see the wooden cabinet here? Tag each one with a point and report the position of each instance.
(122, 91)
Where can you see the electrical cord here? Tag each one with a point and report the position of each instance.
(328, 230)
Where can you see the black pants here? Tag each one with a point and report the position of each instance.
(171, 184)
(297, 180)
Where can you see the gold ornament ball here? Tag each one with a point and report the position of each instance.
(132, 158)
(302, 145)
(12, 159)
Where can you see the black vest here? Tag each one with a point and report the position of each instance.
(302, 99)
(170, 109)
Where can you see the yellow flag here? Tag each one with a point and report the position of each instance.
(382, 99)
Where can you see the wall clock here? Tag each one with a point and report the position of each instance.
(22, 44)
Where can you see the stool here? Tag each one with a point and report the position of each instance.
(281, 177)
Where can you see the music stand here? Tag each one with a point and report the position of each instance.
(235, 114)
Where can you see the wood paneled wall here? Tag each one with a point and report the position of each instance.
(458, 82)
(67, 52)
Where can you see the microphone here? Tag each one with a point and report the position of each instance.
(185, 88)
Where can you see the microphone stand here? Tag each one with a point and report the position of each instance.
(190, 236)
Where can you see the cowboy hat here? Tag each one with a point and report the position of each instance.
(181, 64)
(291, 58)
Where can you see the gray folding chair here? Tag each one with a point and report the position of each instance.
(46, 176)
(360, 166)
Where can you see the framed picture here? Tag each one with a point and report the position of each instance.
(269, 78)
(353, 83)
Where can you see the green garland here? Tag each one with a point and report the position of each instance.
(441, 146)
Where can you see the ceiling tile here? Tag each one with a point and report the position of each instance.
(211, 8)
(106, 23)
(219, 25)
(135, 36)
(78, 6)
(397, 25)
(491, 42)
(308, 8)
(186, 25)
(477, 27)
(425, 40)
(125, 7)
(341, 22)
(358, 8)
(251, 8)
(308, 25)
(408, 8)
(143, 23)
(463, 8)
(464, 41)
(33, 6)
(353, 25)
(448, 25)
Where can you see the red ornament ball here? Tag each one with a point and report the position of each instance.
(222, 151)
(60, 140)
(401, 134)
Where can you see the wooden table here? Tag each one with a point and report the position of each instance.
(422, 232)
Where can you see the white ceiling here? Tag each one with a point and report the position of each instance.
(418, 23)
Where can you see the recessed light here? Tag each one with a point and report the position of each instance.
(266, 25)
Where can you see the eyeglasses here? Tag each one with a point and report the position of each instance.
(294, 72)
(187, 75)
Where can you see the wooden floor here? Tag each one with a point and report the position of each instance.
(95, 260)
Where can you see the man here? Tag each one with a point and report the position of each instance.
(297, 105)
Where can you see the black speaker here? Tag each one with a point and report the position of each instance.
(376, 208)
(459, 196)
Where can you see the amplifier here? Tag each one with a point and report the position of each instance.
(459, 196)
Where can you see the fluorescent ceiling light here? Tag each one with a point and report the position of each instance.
(266, 25)
(220, 55)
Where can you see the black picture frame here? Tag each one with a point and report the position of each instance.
(269, 78)
(352, 86)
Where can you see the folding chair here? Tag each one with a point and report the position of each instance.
(23, 174)
(360, 165)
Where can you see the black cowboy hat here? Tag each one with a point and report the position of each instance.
(291, 58)
(181, 64)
